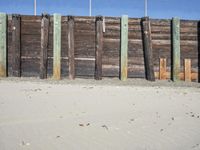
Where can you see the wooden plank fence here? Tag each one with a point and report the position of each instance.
(95, 47)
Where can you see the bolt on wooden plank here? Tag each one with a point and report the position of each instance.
(57, 47)
(124, 48)
(187, 70)
(147, 45)
(3, 45)
(99, 47)
(70, 34)
(175, 49)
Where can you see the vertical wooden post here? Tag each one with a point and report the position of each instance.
(124, 48)
(147, 44)
(187, 70)
(163, 68)
(3, 45)
(71, 47)
(44, 45)
(16, 46)
(57, 47)
(99, 47)
(175, 48)
(198, 74)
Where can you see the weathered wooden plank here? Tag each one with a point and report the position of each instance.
(99, 48)
(194, 76)
(16, 46)
(163, 68)
(57, 47)
(3, 45)
(175, 48)
(147, 44)
(124, 48)
(187, 69)
(44, 46)
(198, 26)
(71, 47)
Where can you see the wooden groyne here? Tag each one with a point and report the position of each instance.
(96, 47)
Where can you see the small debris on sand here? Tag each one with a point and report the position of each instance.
(83, 125)
(161, 130)
(25, 143)
(104, 126)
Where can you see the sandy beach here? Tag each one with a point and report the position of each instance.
(104, 115)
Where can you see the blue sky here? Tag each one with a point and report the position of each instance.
(185, 9)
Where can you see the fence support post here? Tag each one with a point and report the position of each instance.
(99, 48)
(124, 48)
(3, 45)
(147, 45)
(44, 46)
(70, 33)
(187, 70)
(16, 46)
(57, 47)
(175, 49)
(163, 69)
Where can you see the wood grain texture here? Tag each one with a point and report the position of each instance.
(99, 48)
(44, 46)
(71, 54)
(3, 45)
(57, 47)
(16, 46)
(148, 53)
(187, 70)
(85, 46)
(124, 48)
(163, 68)
(175, 48)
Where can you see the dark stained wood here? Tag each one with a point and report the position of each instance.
(147, 44)
(71, 47)
(198, 26)
(44, 46)
(16, 46)
(99, 48)
(85, 46)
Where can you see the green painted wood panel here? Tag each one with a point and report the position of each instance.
(3, 47)
(57, 47)
(175, 49)
(124, 48)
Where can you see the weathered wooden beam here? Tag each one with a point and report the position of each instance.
(187, 70)
(71, 47)
(163, 68)
(198, 28)
(194, 75)
(16, 46)
(44, 46)
(147, 45)
(99, 48)
(57, 47)
(124, 48)
(175, 48)
(3, 45)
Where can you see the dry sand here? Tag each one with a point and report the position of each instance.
(105, 115)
